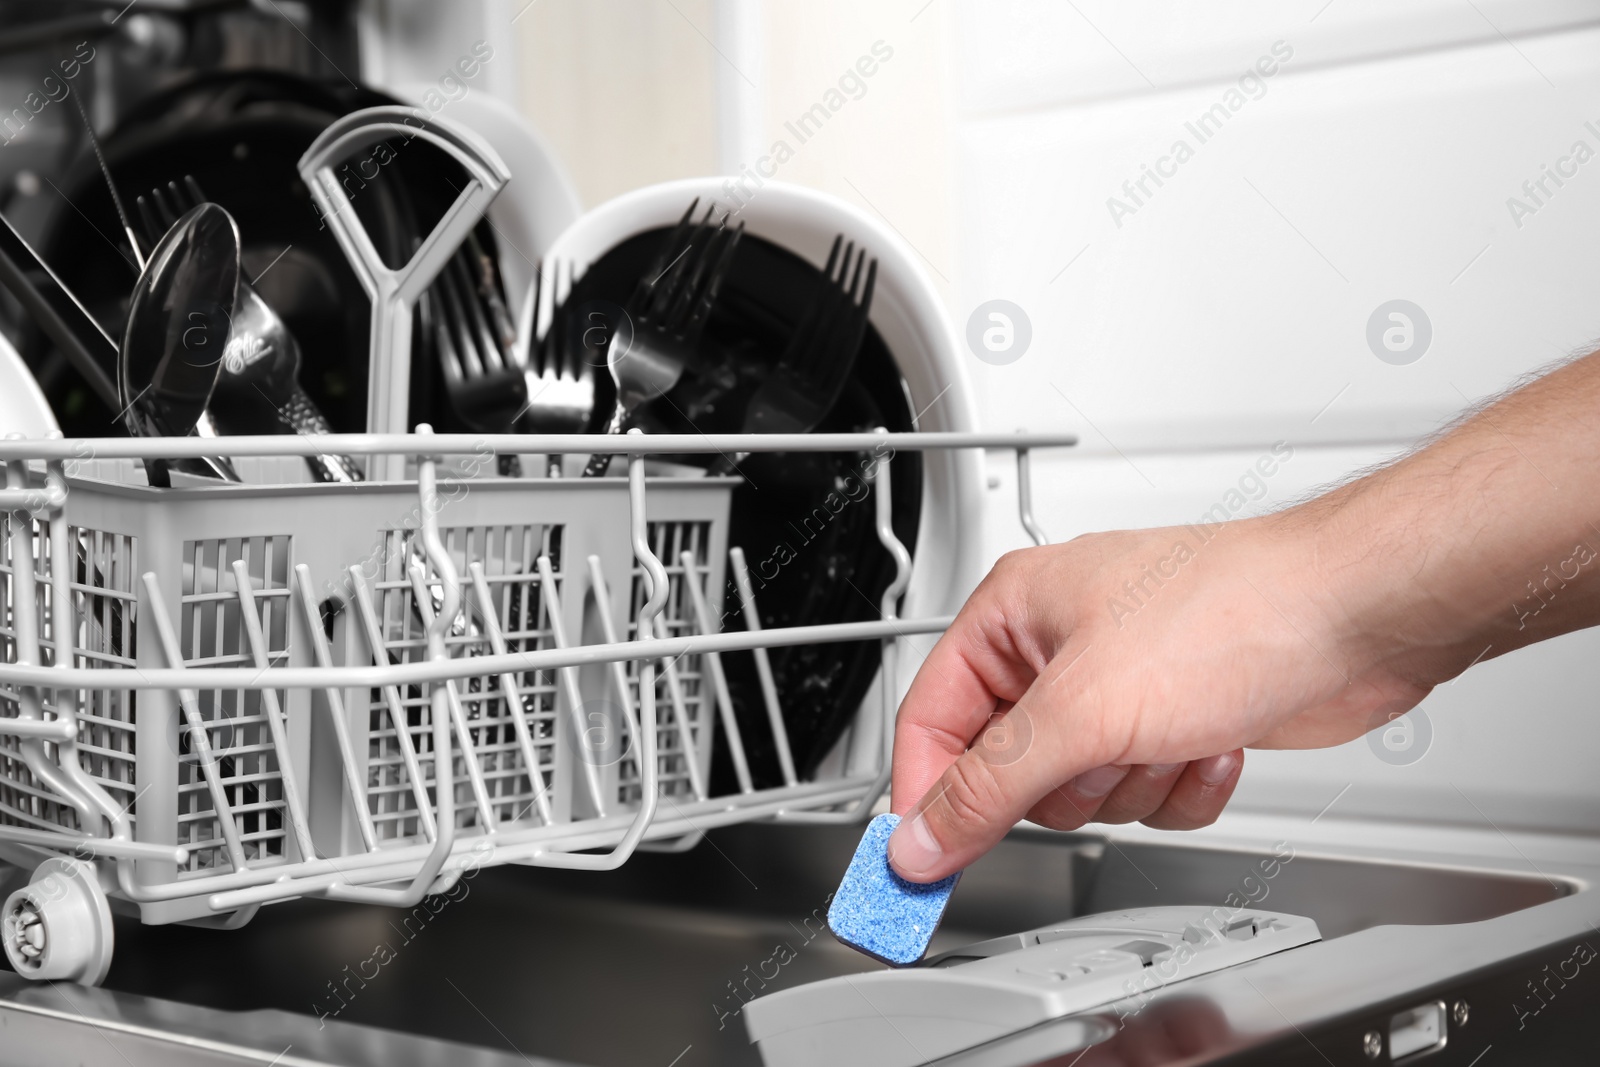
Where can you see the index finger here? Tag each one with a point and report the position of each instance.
(971, 675)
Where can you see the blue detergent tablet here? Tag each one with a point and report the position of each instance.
(877, 912)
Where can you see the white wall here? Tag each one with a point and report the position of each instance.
(1233, 299)
(1229, 310)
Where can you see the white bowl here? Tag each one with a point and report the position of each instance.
(536, 205)
(23, 408)
(908, 315)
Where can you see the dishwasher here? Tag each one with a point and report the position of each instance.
(452, 766)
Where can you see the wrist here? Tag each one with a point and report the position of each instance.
(1391, 589)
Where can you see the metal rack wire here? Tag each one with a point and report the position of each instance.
(536, 680)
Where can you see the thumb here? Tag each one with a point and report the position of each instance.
(977, 800)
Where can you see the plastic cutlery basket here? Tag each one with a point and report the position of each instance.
(219, 696)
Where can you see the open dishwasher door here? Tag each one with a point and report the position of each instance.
(1341, 942)
(671, 954)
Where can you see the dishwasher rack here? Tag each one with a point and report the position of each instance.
(220, 696)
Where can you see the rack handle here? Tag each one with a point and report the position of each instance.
(395, 292)
(1025, 497)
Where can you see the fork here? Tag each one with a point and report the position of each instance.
(261, 360)
(560, 380)
(668, 309)
(484, 380)
(485, 384)
(813, 369)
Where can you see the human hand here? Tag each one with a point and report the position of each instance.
(1117, 677)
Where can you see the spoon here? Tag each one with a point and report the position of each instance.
(258, 389)
(178, 324)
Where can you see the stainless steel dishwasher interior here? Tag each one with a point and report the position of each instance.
(636, 966)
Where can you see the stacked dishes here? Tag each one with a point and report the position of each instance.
(811, 547)
(784, 311)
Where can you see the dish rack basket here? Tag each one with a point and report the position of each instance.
(220, 696)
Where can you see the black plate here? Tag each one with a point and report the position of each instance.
(805, 521)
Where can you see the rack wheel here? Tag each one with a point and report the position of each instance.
(58, 926)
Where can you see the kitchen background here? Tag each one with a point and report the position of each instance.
(1202, 218)
(1439, 152)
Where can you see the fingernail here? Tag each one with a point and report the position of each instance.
(912, 849)
(1158, 770)
(1214, 770)
(1098, 782)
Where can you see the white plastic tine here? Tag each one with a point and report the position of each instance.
(323, 655)
(508, 692)
(444, 776)
(569, 678)
(608, 630)
(719, 678)
(649, 622)
(1025, 498)
(292, 799)
(391, 700)
(680, 715)
(189, 701)
(769, 689)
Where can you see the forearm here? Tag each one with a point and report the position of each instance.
(1486, 540)
(1300, 629)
